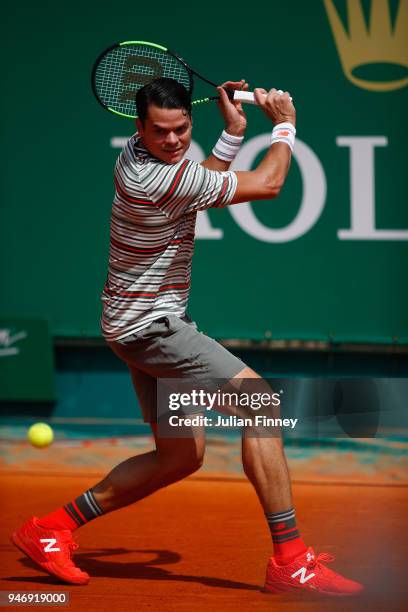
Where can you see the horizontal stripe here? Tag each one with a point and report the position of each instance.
(279, 517)
(69, 508)
(286, 529)
(278, 539)
(78, 511)
(91, 501)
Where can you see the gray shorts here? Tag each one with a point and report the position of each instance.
(173, 348)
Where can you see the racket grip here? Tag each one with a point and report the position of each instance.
(247, 97)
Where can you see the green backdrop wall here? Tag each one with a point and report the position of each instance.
(326, 260)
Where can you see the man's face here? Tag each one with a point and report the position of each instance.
(166, 133)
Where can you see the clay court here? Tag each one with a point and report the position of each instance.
(202, 544)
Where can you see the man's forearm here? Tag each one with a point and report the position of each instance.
(266, 181)
(274, 167)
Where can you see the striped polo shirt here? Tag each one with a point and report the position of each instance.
(152, 236)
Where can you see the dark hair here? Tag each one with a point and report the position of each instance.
(164, 93)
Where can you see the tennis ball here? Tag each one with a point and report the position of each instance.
(40, 435)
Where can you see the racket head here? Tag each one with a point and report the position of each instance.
(124, 68)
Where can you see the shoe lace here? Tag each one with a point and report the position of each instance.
(325, 557)
(69, 546)
(72, 546)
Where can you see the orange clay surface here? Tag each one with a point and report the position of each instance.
(202, 544)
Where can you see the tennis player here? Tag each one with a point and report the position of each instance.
(159, 192)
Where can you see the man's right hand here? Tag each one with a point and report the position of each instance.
(276, 105)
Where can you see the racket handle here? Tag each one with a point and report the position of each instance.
(245, 96)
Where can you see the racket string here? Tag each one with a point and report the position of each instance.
(124, 70)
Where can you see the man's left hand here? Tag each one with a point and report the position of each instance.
(232, 112)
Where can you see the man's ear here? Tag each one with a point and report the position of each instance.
(139, 126)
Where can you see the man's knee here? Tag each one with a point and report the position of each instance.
(181, 457)
(246, 373)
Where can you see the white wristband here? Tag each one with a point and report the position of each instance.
(284, 132)
(227, 146)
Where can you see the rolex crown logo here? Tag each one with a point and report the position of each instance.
(366, 49)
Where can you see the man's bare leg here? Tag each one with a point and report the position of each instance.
(137, 477)
(264, 463)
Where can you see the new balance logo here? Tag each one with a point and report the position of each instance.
(302, 575)
(50, 543)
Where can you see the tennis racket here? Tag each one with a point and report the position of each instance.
(122, 69)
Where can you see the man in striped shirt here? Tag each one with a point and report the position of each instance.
(157, 197)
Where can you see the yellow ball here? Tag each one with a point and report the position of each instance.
(40, 435)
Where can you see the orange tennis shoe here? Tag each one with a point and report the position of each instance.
(51, 550)
(308, 573)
